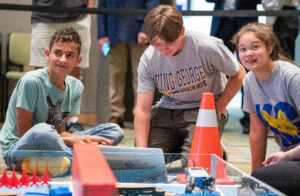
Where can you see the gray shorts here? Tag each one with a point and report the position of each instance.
(42, 33)
(173, 130)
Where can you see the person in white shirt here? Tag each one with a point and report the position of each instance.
(285, 28)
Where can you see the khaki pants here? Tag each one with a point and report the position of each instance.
(118, 59)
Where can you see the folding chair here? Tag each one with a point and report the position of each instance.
(17, 55)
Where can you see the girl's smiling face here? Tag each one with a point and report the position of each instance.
(253, 53)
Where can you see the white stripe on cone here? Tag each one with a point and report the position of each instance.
(207, 118)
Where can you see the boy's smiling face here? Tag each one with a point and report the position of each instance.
(62, 58)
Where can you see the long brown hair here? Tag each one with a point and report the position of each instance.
(266, 35)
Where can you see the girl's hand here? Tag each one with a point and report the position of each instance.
(277, 157)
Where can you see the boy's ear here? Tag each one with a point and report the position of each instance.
(182, 31)
(47, 53)
(79, 59)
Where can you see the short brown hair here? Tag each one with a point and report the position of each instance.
(66, 35)
(165, 22)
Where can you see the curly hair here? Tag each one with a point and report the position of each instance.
(66, 35)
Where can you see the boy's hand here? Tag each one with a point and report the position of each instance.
(70, 140)
(94, 139)
(101, 41)
(142, 39)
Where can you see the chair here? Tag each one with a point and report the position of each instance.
(17, 55)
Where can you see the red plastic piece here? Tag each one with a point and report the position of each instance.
(91, 174)
(4, 181)
(34, 179)
(180, 178)
(13, 181)
(45, 178)
(24, 180)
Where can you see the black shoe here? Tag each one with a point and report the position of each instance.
(224, 154)
(245, 122)
(246, 130)
(73, 127)
(270, 134)
(116, 120)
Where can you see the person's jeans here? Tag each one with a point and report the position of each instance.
(44, 137)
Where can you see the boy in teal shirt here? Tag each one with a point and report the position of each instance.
(42, 102)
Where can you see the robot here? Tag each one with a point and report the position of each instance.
(198, 181)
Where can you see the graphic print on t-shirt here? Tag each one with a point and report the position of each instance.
(182, 81)
(285, 123)
(55, 116)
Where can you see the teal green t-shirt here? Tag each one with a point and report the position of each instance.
(36, 93)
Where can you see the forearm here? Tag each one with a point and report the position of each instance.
(141, 128)
(233, 85)
(258, 146)
(24, 121)
(142, 118)
(67, 138)
(22, 130)
(294, 154)
(70, 139)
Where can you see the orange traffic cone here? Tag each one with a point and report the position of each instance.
(206, 140)
(221, 176)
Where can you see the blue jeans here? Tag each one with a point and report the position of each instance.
(44, 137)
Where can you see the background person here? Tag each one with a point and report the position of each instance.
(126, 37)
(225, 27)
(285, 28)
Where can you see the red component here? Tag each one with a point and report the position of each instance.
(24, 180)
(180, 178)
(45, 178)
(13, 181)
(91, 175)
(4, 181)
(34, 179)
